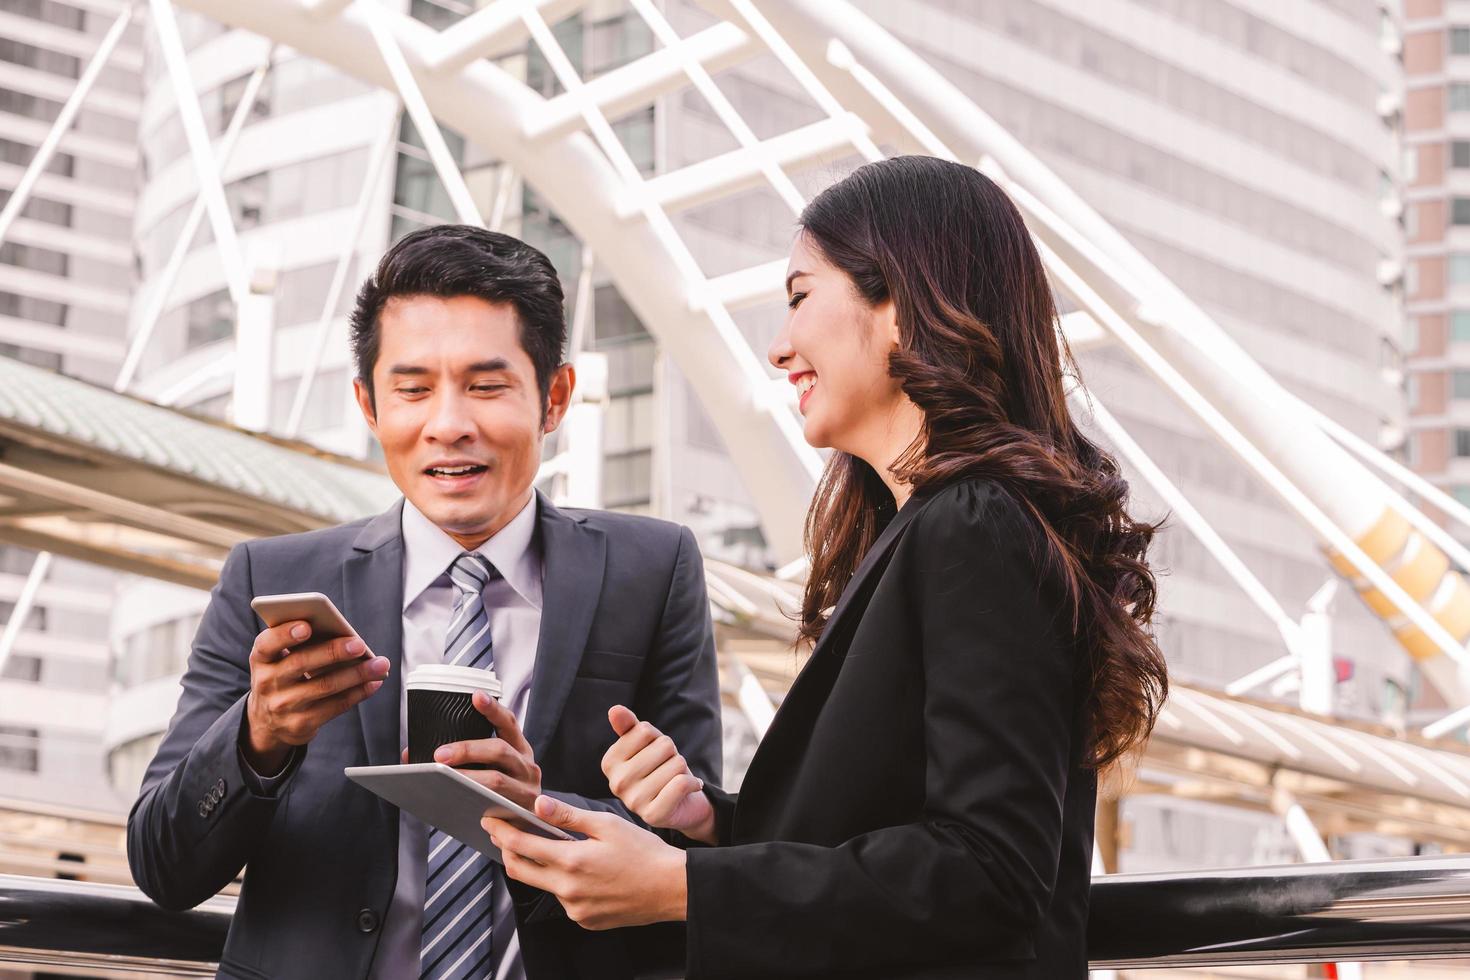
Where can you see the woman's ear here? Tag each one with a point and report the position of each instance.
(887, 322)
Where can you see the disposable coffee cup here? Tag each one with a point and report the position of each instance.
(441, 708)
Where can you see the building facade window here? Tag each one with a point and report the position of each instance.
(1462, 443)
(1460, 384)
(48, 11)
(47, 359)
(1459, 268)
(41, 59)
(1460, 326)
(209, 319)
(20, 749)
(37, 259)
(1460, 40)
(32, 309)
(1460, 211)
(160, 650)
(325, 403)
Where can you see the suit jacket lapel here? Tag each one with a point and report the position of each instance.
(875, 559)
(372, 592)
(573, 556)
(809, 691)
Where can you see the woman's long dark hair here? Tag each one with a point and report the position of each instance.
(980, 354)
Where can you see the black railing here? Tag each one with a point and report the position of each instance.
(1349, 911)
(1415, 908)
(54, 923)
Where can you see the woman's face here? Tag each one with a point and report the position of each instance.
(834, 347)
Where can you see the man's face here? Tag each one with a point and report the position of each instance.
(458, 411)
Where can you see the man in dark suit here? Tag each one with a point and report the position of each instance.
(458, 339)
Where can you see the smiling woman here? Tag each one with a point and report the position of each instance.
(979, 601)
(458, 339)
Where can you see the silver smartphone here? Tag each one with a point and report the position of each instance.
(326, 622)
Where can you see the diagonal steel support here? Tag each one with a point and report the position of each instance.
(382, 152)
(639, 82)
(423, 118)
(717, 100)
(158, 299)
(325, 9)
(21, 611)
(22, 193)
(496, 27)
(206, 170)
(1180, 506)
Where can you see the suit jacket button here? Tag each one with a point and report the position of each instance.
(203, 809)
(219, 787)
(367, 921)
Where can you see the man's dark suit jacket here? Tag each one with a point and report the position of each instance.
(625, 619)
(919, 807)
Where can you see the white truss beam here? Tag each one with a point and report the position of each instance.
(758, 284)
(22, 193)
(746, 167)
(326, 9)
(1085, 403)
(21, 611)
(163, 286)
(640, 82)
(490, 107)
(206, 169)
(1083, 332)
(423, 117)
(716, 99)
(381, 153)
(491, 31)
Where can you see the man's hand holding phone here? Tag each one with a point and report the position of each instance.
(297, 686)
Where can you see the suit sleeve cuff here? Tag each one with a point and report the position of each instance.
(724, 806)
(266, 787)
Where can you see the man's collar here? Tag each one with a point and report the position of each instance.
(428, 552)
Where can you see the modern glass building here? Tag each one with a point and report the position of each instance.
(66, 288)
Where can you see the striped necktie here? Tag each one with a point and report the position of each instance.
(455, 943)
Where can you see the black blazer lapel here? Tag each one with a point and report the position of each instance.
(873, 562)
(809, 691)
(372, 592)
(573, 557)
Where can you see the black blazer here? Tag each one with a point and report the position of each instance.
(918, 807)
(625, 620)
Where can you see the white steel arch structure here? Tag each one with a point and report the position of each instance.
(870, 89)
(592, 190)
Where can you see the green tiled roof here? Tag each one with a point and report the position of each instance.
(230, 459)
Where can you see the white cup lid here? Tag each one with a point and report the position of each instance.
(448, 677)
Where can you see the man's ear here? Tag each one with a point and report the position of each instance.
(365, 403)
(559, 398)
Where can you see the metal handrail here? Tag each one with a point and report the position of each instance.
(51, 922)
(1402, 909)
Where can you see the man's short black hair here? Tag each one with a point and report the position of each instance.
(462, 260)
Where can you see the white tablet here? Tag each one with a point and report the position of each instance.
(451, 801)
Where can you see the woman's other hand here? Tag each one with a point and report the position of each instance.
(645, 770)
(619, 875)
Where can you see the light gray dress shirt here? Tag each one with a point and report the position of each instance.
(513, 603)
